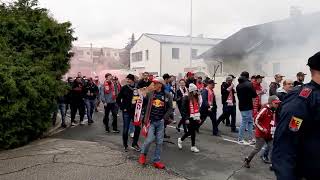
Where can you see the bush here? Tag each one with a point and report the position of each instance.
(34, 54)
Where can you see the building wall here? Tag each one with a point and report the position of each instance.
(176, 66)
(153, 63)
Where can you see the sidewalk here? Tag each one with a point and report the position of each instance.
(51, 159)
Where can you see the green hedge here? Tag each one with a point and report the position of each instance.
(34, 54)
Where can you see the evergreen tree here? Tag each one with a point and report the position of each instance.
(34, 54)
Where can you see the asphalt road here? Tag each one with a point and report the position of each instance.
(220, 158)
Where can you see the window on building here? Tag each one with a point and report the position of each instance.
(115, 54)
(80, 52)
(96, 53)
(175, 53)
(88, 53)
(108, 54)
(147, 55)
(276, 68)
(137, 56)
(194, 53)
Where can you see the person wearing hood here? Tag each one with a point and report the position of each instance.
(283, 91)
(246, 93)
(191, 114)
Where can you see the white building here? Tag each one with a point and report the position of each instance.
(161, 54)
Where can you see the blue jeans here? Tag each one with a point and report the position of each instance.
(247, 121)
(61, 108)
(127, 121)
(90, 105)
(156, 132)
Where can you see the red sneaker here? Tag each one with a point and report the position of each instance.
(142, 159)
(159, 165)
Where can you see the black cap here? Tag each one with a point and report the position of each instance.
(231, 75)
(301, 74)
(259, 77)
(211, 82)
(131, 77)
(314, 62)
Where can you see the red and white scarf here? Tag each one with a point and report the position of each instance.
(184, 91)
(194, 109)
(210, 96)
(109, 88)
(230, 97)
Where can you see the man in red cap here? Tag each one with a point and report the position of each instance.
(265, 127)
(190, 79)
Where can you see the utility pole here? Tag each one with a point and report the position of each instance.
(190, 61)
(91, 58)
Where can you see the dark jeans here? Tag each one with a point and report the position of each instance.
(228, 111)
(77, 105)
(213, 116)
(127, 119)
(192, 126)
(61, 108)
(90, 105)
(260, 142)
(182, 121)
(114, 111)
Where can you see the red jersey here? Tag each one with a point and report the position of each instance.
(265, 120)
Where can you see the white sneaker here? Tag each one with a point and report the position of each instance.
(131, 135)
(179, 143)
(73, 124)
(195, 149)
(252, 142)
(243, 142)
(82, 123)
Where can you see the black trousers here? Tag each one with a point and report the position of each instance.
(213, 116)
(75, 106)
(113, 108)
(182, 121)
(228, 111)
(192, 126)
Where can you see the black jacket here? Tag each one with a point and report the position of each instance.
(273, 88)
(142, 83)
(93, 89)
(225, 93)
(124, 99)
(246, 93)
(205, 104)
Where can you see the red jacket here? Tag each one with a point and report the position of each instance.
(264, 121)
(257, 102)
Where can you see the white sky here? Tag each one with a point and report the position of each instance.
(110, 23)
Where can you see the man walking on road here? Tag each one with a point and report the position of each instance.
(127, 99)
(158, 108)
(108, 97)
(77, 102)
(209, 107)
(246, 94)
(229, 103)
(275, 85)
(91, 92)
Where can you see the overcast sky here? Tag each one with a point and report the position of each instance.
(110, 23)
